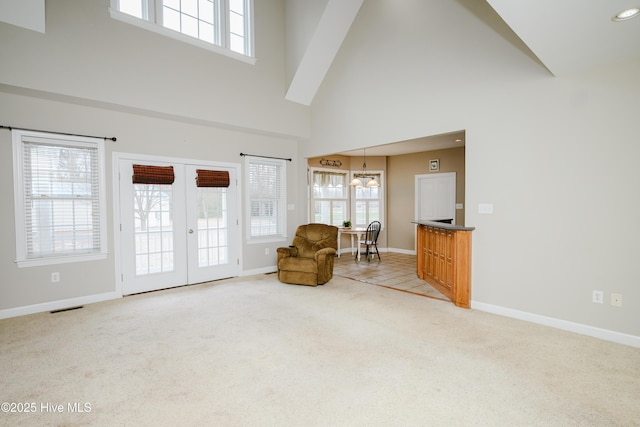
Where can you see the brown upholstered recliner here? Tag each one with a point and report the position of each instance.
(309, 259)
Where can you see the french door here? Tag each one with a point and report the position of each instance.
(178, 223)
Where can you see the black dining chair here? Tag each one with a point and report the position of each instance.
(371, 240)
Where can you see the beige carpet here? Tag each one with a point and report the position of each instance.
(255, 352)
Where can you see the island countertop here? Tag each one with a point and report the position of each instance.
(442, 225)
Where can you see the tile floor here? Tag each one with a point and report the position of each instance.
(393, 270)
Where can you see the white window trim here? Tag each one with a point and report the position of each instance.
(383, 199)
(18, 191)
(159, 29)
(264, 239)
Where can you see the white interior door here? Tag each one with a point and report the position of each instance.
(176, 234)
(436, 196)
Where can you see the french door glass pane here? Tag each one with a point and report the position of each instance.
(153, 228)
(213, 226)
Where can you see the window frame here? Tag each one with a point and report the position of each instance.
(280, 235)
(22, 257)
(153, 22)
(313, 199)
(381, 198)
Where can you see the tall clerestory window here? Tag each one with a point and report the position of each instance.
(223, 23)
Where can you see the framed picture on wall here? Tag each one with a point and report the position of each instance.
(434, 165)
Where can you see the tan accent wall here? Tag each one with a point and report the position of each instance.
(401, 174)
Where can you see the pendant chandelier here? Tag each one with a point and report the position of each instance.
(356, 179)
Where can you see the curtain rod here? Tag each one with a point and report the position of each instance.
(113, 138)
(264, 157)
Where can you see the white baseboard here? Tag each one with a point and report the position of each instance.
(401, 251)
(57, 305)
(263, 270)
(592, 331)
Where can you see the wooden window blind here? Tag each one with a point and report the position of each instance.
(210, 178)
(145, 174)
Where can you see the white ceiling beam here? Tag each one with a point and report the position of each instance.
(27, 14)
(322, 49)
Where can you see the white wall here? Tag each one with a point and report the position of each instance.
(556, 156)
(141, 134)
(87, 54)
(92, 75)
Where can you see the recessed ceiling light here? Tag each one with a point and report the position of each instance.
(626, 14)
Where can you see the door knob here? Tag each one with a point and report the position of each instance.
(190, 231)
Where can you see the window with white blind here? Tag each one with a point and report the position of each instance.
(59, 198)
(226, 24)
(266, 199)
(368, 202)
(329, 196)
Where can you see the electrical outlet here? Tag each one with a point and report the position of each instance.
(485, 208)
(616, 300)
(55, 277)
(597, 297)
(266, 251)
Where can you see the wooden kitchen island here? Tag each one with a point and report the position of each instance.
(444, 259)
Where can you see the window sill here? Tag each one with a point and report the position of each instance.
(59, 260)
(132, 20)
(257, 240)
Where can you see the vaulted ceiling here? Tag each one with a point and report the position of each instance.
(573, 35)
(567, 36)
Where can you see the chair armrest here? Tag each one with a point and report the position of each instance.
(325, 259)
(291, 251)
(325, 252)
